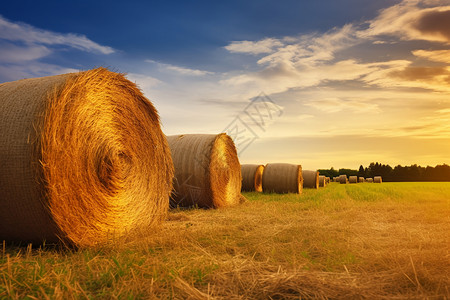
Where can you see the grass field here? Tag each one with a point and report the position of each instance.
(374, 241)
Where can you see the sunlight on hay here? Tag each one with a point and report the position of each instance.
(282, 178)
(252, 177)
(310, 179)
(100, 161)
(207, 170)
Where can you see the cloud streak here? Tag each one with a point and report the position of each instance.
(29, 35)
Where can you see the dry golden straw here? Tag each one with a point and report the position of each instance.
(207, 170)
(322, 181)
(83, 160)
(377, 179)
(282, 178)
(353, 179)
(252, 177)
(310, 179)
(343, 179)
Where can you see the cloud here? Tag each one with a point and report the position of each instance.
(333, 105)
(10, 53)
(24, 33)
(180, 70)
(259, 47)
(437, 55)
(408, 20)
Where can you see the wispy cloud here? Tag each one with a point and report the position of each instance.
(259, 47)
(24, 33)
(437, 55)
(412, 20)
(334, 105)
(180, 70)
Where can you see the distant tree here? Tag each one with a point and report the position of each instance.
(361, 172)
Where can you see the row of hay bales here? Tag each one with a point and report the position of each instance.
(84, 161)
(343, 179)
(280, 178)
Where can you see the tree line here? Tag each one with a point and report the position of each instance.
(398, 173)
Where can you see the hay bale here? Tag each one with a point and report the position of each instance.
(353, 179)
(327, 180)
(252, 177)
(360, 179)
(83, 160)
(322, 181)
(369, 180)
(342, 179)
(310, 179)
(207, 170)
(282, 178)
(335, 179)
(377, 179)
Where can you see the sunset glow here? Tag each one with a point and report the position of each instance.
(369, 87)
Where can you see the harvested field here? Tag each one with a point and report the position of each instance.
(368, 241)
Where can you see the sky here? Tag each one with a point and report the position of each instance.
(322, 83)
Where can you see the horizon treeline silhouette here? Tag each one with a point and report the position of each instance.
(398, 173)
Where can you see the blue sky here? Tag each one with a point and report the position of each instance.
(356, 80)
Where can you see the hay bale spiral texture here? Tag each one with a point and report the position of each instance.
(83, 160)
(252, 177)
(353, 179)
(377, 179)
(282, 178)
(310, 179)
(207, 170)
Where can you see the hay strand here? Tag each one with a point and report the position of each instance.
(252, 177)
(207, 170)
(83, 160)
(282, 178)
(310, 179)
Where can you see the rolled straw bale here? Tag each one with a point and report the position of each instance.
(322, 182)
(377, 179)
(282, 178)
(252, 177)
(207, 170)
(310, 179)
(353, 179)
(369, 180)
(335, 179)
(360, 179)
(327, 180)
(83, 160)
(342, 179)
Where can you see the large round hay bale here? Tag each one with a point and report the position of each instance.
(377, 179)
(83, 159)
(327, 180)
(369, 180)
(353, 179)
(207, 170)
(282, 178)
(360, 179)
(310, 179)
(252, 177)
(342, 179)
(322, 181)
